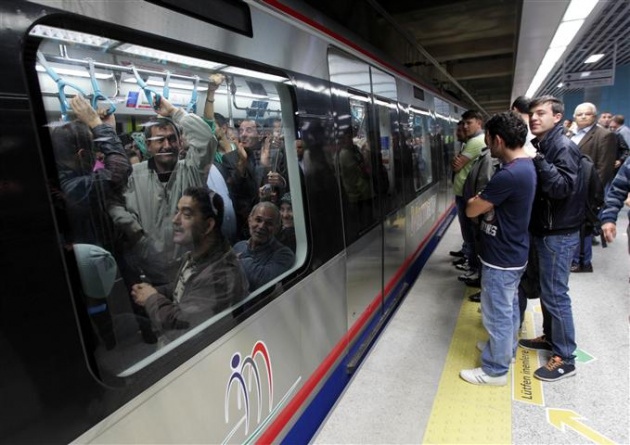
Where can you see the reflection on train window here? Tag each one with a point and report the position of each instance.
(174, 191)
(422, 141)
(445, 144)
(384, 170)
(355, 165)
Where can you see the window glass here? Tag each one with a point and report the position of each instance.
(422, 141)
(176, 197)
(442, 143)
(384, 182)
(355, 160)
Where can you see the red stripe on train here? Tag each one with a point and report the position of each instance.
(292, 407)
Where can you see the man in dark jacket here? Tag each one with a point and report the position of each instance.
(601, 146)
(210, 278)
(557, 215)
(88, 186)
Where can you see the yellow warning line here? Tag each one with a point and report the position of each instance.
(465, 413)
(526, 388)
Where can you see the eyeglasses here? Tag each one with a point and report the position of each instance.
(172, 139)
(583, 114)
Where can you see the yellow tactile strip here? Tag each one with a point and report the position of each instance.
(527, 389)
(465, 413)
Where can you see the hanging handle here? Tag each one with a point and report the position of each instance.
(97, 93)
(61, 86)
(165, 89)
(148, 92)
(192, 105)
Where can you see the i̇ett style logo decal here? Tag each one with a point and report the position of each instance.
(246, 372)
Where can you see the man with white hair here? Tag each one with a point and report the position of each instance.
(601, 146)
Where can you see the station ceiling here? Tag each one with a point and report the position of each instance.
(488, 51)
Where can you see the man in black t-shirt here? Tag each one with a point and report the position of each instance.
(504, 207)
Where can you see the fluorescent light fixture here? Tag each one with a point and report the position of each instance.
(594, 58)
(175, 85)
(579, 9)
(552, 56)
(150, 53)
(65, 35)
(75, 73)
(572, 21)
(565, 33)
(254, 74)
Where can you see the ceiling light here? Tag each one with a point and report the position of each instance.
(75, 73)
(175, 85)
(594, 58)
(155, 54)
(565, 33)
(579, 9)
(552, 56)
(65, 35)
(573, 19)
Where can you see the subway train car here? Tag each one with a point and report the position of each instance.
(370, 193)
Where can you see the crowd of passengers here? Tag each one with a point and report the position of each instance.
(194, 214)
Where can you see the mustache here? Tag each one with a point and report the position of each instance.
(169, 152)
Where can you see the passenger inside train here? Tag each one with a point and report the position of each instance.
(154, 218)
(210, 278)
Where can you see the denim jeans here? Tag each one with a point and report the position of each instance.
(500, 316)
(588, 251)
(554, 258)
(466, 227)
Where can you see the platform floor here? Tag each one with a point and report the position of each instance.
(408, 390)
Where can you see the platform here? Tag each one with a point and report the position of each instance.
(408, 390)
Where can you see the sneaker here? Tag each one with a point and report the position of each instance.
(459, 261)
(476, 376)
(458, 253)
(465, 266)
(535, 344)
(555, 369)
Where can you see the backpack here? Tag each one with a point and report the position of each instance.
(593, 192)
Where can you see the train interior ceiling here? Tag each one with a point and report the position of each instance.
(130, 75)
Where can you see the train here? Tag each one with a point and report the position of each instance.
(371, 195)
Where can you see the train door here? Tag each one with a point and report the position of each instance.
(355, 160)
(389, 190)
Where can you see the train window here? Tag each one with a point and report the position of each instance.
(172, 179)
(422, 141)
(384, 164)
(355, 160)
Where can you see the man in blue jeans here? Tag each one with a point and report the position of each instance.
(557, 215)
(504, 207)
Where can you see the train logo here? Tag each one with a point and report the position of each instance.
(246, 382)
